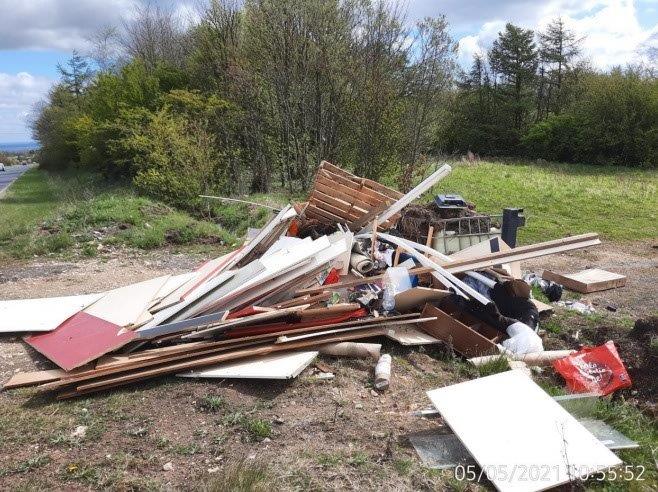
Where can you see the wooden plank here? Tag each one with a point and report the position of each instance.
(524, 252)
(357, 281)
(173, 368)
(586, 281)
(336, 170)
(346, 194)
(541, 435)
(345, 215)
(22, 379)
(410, 335)
(390, 192)
(348, 207)
(464, 339)
(184, 351)
(80, 339)
(276, 366)
(351, 188)
(323, 215)
(542, 308)
(45, 314)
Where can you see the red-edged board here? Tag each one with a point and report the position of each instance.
(80, 339)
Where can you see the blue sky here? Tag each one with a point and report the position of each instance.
(37, 34)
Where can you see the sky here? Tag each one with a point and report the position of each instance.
(35, 35)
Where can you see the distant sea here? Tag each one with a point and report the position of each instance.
(18, 146)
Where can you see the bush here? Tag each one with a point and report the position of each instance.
(554, 139)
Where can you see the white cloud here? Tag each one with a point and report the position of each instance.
(18, 93)
(612, 31)
(64, 25)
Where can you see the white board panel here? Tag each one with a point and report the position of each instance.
(45, 314)
(522, 438)
(125, 305)
(276, 366)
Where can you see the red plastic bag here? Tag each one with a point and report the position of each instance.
(594, 370)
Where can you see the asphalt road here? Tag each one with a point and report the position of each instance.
(11, 174)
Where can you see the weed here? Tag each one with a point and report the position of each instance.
(358, 459)
(32, 463)
(258, 429)
(242, 476)
(403, 466)
(87, 474)
(212, 403)
(552, 325)
(494, 366)
(162, 443)
(329, 459)
(89, 249)
(186, 449)
(538, 294)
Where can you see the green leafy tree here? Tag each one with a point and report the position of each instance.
(513, 59)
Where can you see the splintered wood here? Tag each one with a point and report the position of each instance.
(341, 197)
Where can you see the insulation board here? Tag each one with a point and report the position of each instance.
(509, 424)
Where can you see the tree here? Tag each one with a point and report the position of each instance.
(558, 48)
(105, 48)
(513, 58)
(75, 74)
(430, 75)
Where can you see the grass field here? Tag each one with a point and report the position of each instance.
(52, 213)
(563, 199)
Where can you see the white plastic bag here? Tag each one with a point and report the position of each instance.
(522, 340)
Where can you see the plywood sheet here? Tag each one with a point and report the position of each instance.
(80, 339)
(536, 432)
(410, 335)
(276, 366)
(125, 305)
(41, 314)
(586, 281)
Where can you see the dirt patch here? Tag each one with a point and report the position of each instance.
(637, 260)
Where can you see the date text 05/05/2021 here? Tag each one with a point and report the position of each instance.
(503, 473)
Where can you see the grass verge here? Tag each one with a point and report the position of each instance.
(563, 199)
(47, 213)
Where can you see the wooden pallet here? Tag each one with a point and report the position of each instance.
(341, 197)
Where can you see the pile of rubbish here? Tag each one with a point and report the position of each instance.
(321, 275)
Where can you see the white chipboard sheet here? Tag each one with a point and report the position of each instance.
(275, 366)
(45, 314)
(522, 439)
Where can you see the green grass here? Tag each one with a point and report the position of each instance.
(494, 366)
(258, 429)
(53, 213)
(562, 199)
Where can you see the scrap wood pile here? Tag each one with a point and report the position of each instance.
(317, 277)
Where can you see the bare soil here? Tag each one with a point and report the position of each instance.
(327, 435)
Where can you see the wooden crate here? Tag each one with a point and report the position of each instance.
(341, 197)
